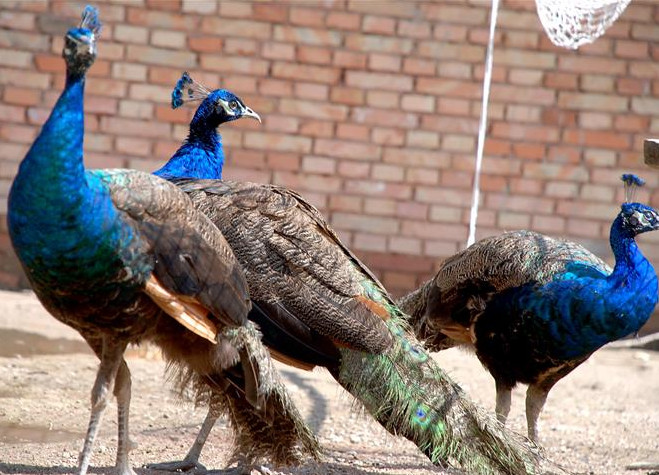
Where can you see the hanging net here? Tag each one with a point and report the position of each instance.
(572, 23)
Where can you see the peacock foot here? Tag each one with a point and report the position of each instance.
(185, 465)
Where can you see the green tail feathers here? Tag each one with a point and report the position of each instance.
(410, 395)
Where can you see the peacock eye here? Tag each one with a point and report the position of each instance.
(233, 104)
(633, 220)
(648, 215)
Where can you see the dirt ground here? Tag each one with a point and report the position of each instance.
(598, 420)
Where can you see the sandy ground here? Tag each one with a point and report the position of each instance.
(598, 420)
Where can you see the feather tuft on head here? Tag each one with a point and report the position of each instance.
(632, 183)
(188, 90)
(90, 20)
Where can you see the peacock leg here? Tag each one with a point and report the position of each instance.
(191, 460)
(504, 393)
(536, 396)
(122, 391)
(111, 358)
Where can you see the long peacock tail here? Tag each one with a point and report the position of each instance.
(257, 414)
(410, 395)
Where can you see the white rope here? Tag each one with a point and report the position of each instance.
(487, 82)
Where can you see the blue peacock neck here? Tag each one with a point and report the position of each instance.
(202, 155)
(631, 266)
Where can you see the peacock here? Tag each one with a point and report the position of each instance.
(318, 305)
(123, 257)
(534, 308)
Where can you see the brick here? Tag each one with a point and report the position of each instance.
(163, 57)
(132, 127)
(133, 146)
(131, 34)
(349, 59)
(148, 92)
(310, 36)
(562, 189)
(451, 33)
(599, 158)
(205, 7)
(386, 118)
(21, 96)
(548, 224)
(561, 80)
(347, 150)
(418, 66)
(465, 15)
(164, 19)
(24, 40)
(414, 28)
(595, 120)
(275, 141)
(412, 210)
(564, 154)
(427, 230)
(446, 214)
(384, 189)
(313, 109)
(632, 87)
(305, 72)
(343, 20)
(354, 169)
(270, 12)
(386, 172)
(347, 95)
(384, 62)
(462, 52)
(283, 161)
(371, 43)
(380, 206)
(530, 204)
(522, 113)
(597, 83)
(238, 28)
(168, 39)
(440, 248)
(383, 99)
(18, 133)
(418, 103)
(205, 43)
(422, 139)
(234, 64)
(448, 87)
(527, 186)
(521, 39)
(388, 136)
(369, 242)
(274, 50)
(389, 82)
(596, 138)
(525, 59)
(512, 221)
(313, 54)
(537, 133)
(320, 165)
(644, 32)
(380, 25)
(631, 123)
(555, 171)
(168, 5)
(526, 77)
(404, 245)
(631, 49)
(235, 9)
(350, 131)
(346, 203)
(17, 20)
(597, 192)
(396, 9)
(16, 59)
(317, 128)
(643, 69)
(307, 16)
(596, 102)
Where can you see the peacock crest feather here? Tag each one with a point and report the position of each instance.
(188, 90)
(632, 183)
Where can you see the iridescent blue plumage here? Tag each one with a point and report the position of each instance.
(103, 250)
(534, 307)
(202, 155)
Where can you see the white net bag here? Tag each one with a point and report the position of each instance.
(572, 23)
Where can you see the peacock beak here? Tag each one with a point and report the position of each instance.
(247, 112)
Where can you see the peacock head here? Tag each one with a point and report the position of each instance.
(637, 218)
(217, 107)
(80, 43)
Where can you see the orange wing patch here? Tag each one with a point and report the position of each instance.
(188, 312)
(376, 308)
(459, 333)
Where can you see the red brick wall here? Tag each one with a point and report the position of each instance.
(370, 110)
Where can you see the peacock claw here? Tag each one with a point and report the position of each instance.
(186, 466)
